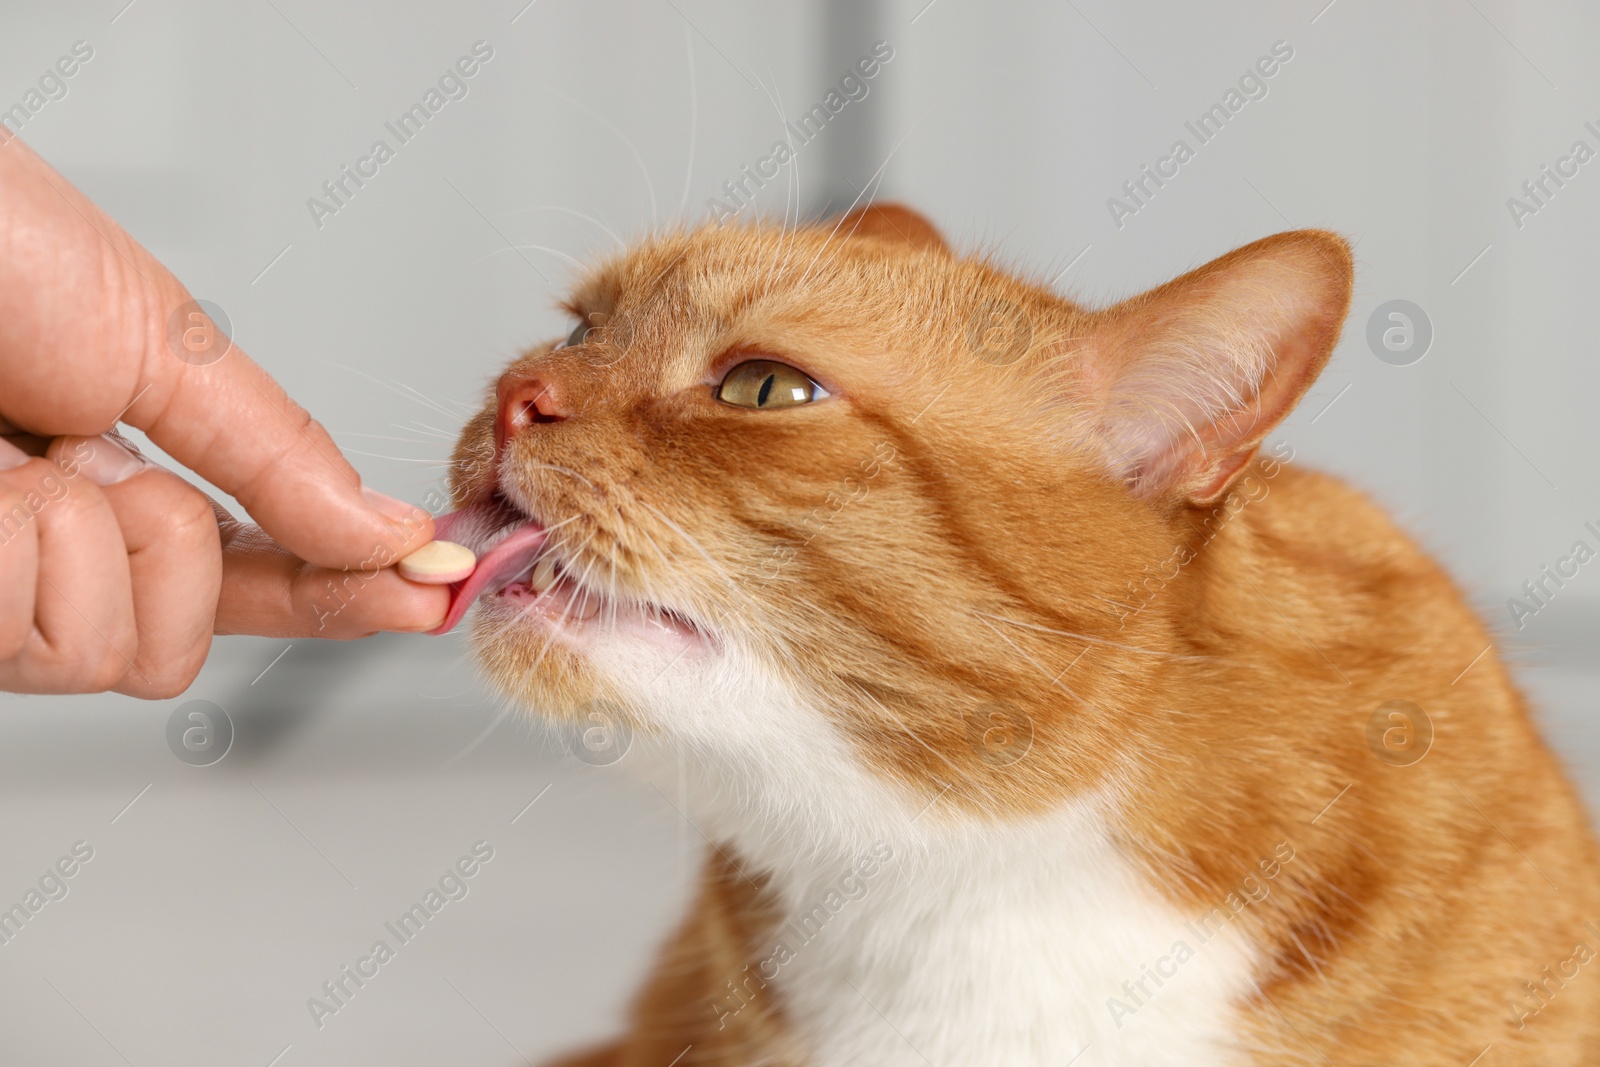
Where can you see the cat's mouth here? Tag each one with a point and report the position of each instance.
(522, 578)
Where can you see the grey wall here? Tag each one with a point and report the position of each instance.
(224, 896)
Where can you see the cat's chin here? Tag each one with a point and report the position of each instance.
(576, 615)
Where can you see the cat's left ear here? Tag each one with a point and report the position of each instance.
(1185, 381)
(893, 222)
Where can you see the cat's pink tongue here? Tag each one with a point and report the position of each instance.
(509, 559)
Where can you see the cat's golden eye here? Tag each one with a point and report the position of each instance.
(765, 383)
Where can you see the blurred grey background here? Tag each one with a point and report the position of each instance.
(219, 899)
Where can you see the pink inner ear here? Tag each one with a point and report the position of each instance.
(1199, 371)
(1181, 406)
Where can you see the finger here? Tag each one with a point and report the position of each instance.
(19, 560)
(174, 560)
(95, 345)
(268, 591)
(83, 638)
(28, 443)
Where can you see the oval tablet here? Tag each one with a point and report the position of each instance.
(439, 563)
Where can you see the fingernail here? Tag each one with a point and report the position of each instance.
(11, 456)
(104, 461)
(388, 506)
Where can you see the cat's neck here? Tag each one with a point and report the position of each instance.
(968, 944)
(907, 927)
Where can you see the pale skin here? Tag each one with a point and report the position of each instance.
(115, 573)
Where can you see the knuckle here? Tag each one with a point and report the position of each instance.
(94, 661)
(165, 684)
(102, 671)
(318, 599)
(272, 462)
(57, 496)
(170, 677)
(191, 518)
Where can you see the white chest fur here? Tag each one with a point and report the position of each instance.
(912, 939)
(1011, 947)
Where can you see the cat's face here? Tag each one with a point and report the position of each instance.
(822, 489)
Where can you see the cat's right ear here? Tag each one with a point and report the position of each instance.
(1185, 381)
(893, 222)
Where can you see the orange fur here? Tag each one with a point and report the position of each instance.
(1023, 523)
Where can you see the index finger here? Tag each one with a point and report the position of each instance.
(85, 341)
(268, 592)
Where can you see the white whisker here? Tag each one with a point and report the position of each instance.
(649, 185)
(553, 468)
(396, 459)
(432, 431)
(694, 121)
(577, 215)
(380, 436)
(1055, 681)
(681, 532)
(400, 388)
(537, 248)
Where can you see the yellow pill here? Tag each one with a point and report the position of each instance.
(439, 563)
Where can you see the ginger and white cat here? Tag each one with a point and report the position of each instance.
(1033, 714)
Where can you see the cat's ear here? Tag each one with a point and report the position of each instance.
(1185, 381)
(894, 222)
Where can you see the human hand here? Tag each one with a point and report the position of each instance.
(115, 572)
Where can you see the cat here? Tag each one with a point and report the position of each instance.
(1032, 711)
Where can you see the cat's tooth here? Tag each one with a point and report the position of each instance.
(544, 574)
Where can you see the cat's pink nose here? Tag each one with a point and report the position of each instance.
(524, 401)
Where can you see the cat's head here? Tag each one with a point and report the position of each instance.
(836, 496)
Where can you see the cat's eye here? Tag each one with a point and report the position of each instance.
(580, 333)
(766, 383)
